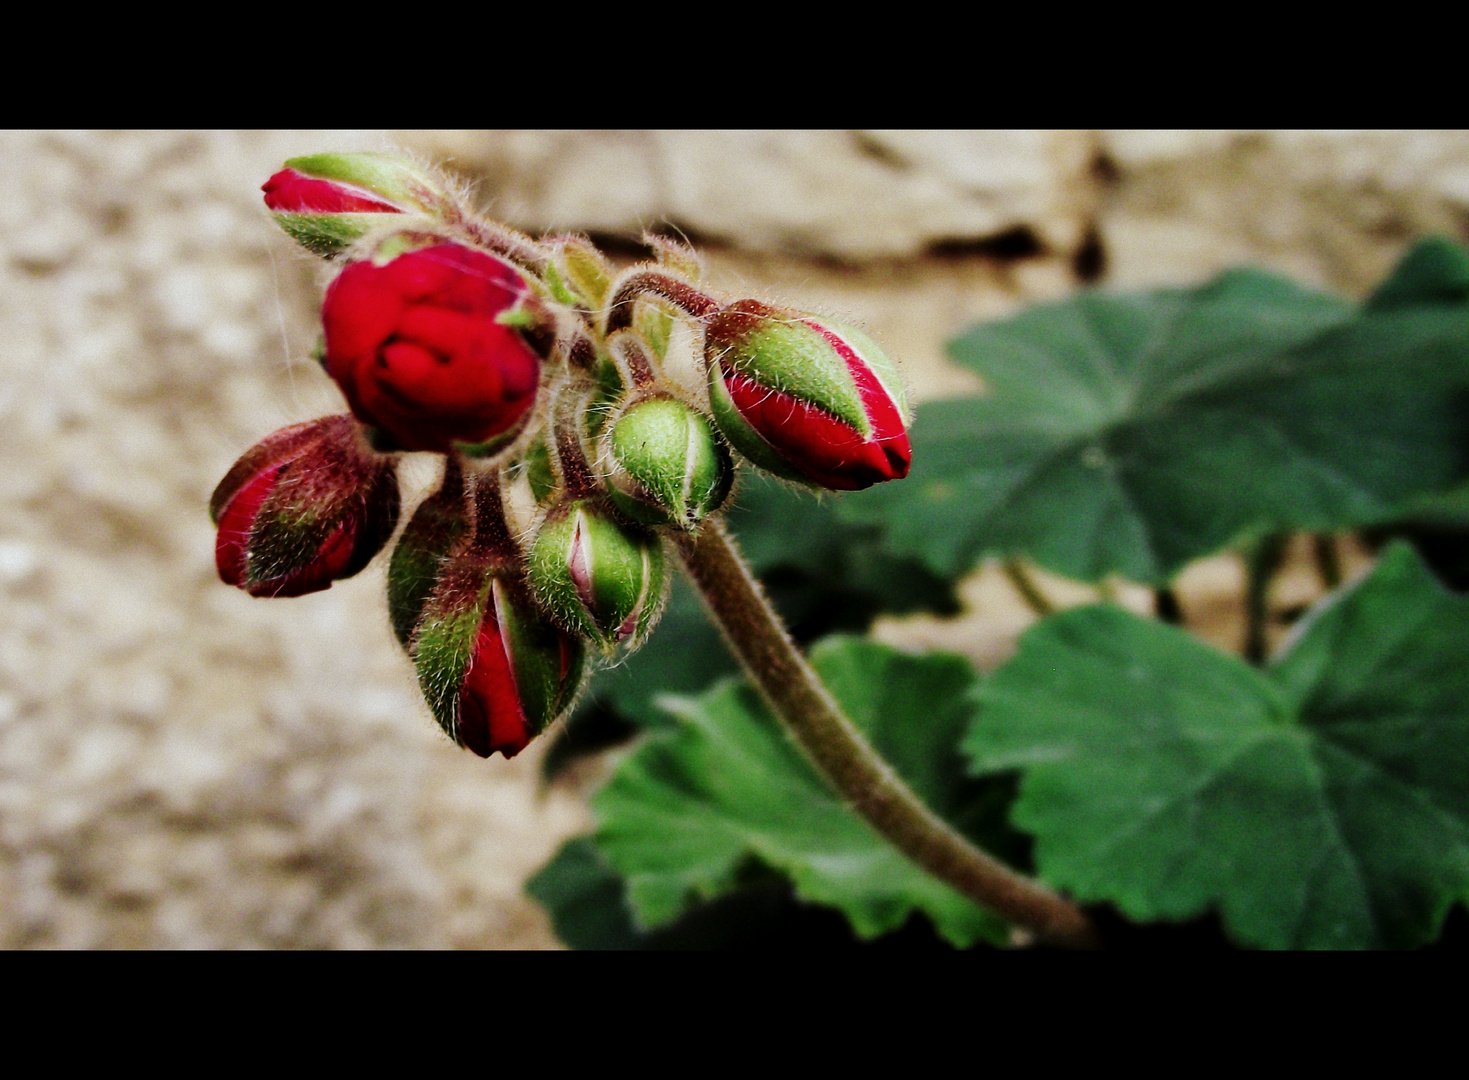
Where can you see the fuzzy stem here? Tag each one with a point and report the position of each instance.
(517, 247)
(492, 536)
(678, 292)
(639, 366)
(576, 472)
(1027, 588)
(835, 746)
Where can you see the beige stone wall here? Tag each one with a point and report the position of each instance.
(183, 766)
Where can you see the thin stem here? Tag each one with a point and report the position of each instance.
(814, 719)
(639, 366)
(1264, 559)
(1027, 588)
(1328, 564)
(492, 536)
(515, 246)
(688, 299)
(1166, 606)
(576, 472)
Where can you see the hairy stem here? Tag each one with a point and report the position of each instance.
(838, 750)
(690, 300)
(1029, 591)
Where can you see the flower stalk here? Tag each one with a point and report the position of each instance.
(832, 742)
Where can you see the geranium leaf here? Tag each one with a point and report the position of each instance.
(691, 807)
(1321, 804)
(1131, 434)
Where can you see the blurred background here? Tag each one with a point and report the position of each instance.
(183, 766)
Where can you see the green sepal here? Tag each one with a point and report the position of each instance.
(333, 483)
(603, 400)
(384, 175)
(781, 351)
(535, 647)
(559, 291)
(540, 472)
(587, 272)
(878, 362)
(328, 235)
(654, 325)
(436, 527)
(444, 643)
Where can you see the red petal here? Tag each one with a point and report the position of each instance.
(235, 523)
(490, 714)
(821, 447)
(296, 193)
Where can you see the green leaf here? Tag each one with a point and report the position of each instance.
(585, 899)
(1134, 433)
(1322, 804)
(691, 807)
(1435, 271)
(587, 902)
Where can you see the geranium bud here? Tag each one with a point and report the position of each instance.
(419, 344)
(581, 271)
(304, 507)
(436, 527)
(494, 670)
(328, 201)
(597, 576)
(809, 399)
(668, 465)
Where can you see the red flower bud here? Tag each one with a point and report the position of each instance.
(807, 398)
(293, 192)
(494, 670)
(304, 507)
(423, 349)
(327, 201)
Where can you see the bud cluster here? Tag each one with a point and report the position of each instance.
(536, 361)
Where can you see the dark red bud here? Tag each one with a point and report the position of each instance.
(307, 506)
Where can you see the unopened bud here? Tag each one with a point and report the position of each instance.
(668, 465)
(306, 506)
(597, 576)
(426, 343)
(328, 201)
(806, 398)
(494, 670)
(578, 273)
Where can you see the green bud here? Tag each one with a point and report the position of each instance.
(669, 467)
(596, 576)
(584, 270)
